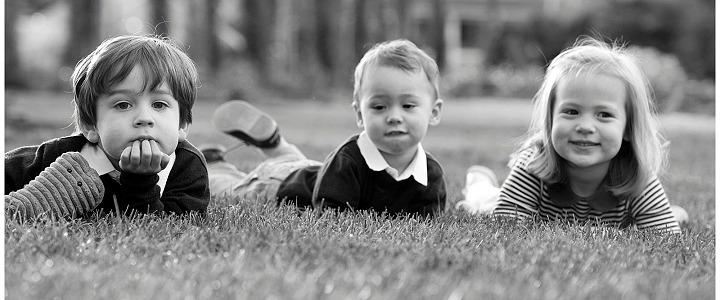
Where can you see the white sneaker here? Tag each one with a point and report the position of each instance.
(478, 174)
(680, 214)
(481, 191)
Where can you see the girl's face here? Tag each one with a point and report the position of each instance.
(128, 113)
(588, 120)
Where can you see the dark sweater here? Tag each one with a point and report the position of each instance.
(186, 190)
(345, 181)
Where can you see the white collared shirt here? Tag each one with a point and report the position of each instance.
(97, 160)
(374, 159)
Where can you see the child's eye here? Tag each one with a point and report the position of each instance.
(569, 112)
(605, 115)
(159, 104)
(377, 107)
(122, 105)
(409, 105)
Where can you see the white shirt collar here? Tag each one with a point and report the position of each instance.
(374, 159)
(98, 160)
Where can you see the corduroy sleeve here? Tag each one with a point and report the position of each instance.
(67, 188)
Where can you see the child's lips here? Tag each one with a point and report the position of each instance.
(395, 133)
(144, 137)
(584, 143)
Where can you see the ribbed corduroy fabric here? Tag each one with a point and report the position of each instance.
(67, 188)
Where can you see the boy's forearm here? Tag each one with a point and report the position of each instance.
(187, 198)
(139, 193)
(68, 187)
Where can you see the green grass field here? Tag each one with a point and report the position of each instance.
(259, 251)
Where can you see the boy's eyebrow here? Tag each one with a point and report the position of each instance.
(130, 91)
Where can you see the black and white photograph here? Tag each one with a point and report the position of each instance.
(359, 149)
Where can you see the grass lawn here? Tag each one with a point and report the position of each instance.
(258, 251)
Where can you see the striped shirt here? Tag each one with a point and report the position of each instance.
(520, 196)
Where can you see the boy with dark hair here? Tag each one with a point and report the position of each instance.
(133, 98)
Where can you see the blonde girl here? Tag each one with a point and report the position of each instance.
(594, 149)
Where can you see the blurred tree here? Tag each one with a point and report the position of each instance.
(311, 72)
(360, 36)
(202, 36)
(638, 22)
(695, 38)
(211, 37)
(84, 30)
(685, 28)
(402, 10)
(13, 67)
(552, 36)
(159, 17)
(258, 28)
(439, 34)
(14, 77)
(328, 46)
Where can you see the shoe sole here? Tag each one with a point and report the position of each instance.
(239, 116)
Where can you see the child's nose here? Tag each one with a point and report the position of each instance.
(585, 126)
(144, 118)
(394, 116)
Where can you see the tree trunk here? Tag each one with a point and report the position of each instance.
(360, 29)
(324, 25)
(159, 17)
(490, 33)
(402, 14)
(439, 34)
(258, 28)
(13, 67)
(213, 46)
(84, 30)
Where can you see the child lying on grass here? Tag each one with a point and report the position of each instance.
(133, 98)
(593, 150)
(383, 168)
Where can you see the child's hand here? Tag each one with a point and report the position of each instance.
(143, 157)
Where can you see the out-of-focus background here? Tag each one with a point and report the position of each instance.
(294, 59)
(307, 49)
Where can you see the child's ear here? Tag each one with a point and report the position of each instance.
(436, 112)
(90, 133)
(358, 114)
(183, 132)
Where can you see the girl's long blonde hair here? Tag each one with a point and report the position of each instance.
(639, 159)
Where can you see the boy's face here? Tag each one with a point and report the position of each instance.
(127, 113)
(395, 108)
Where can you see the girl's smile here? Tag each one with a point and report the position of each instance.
(589, 119)
(584, 143)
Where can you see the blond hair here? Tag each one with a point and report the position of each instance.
(639, 159)
(401, 54)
